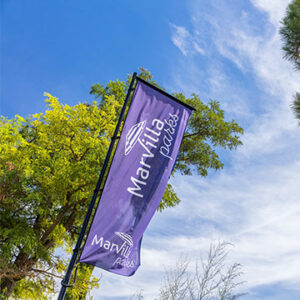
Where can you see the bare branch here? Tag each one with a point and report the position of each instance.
(211, 278)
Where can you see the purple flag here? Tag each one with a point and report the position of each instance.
(139, 173)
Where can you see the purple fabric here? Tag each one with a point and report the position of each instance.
(137, 179)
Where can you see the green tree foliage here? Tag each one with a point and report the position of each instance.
(49, 164)
(290, 33)
(296, 106)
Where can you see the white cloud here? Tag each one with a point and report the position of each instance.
(275, 9)
(198, 48)
(256, 203)
(263, 56)
(255, 208)
(180, 37)
(184, 41)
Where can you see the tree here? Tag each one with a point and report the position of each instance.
(290, 33)
(211, 279)
(296, 106)
(49, 164)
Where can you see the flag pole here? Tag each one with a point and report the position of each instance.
(66, 280)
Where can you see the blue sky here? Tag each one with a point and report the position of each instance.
(225, 50)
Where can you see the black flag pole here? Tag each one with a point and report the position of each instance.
(76, 250)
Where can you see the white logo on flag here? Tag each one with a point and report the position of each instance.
(133, 136)
(125, 237)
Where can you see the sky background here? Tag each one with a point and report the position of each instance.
(225, 50)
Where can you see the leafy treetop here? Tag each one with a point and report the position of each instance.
(290, 33)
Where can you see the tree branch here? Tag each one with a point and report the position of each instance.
(46, 273)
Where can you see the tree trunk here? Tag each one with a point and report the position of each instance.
(24, 263)
(6, 287)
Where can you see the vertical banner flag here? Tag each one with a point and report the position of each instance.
(138, 176)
